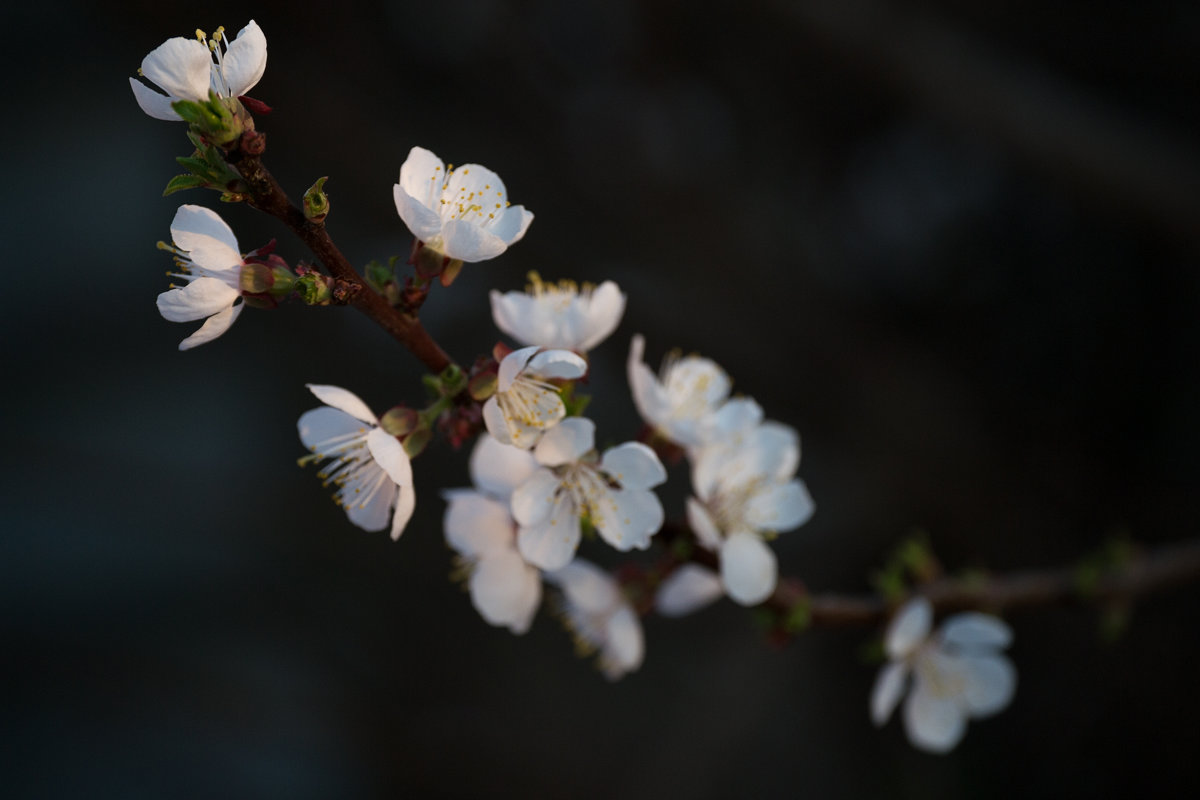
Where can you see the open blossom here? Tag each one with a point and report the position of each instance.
(612, 492)
(505, 590)
(462, 213)
(958, 673)
(526, 404)
(208, 258)
(600, 617)
(187, 68)
(367, 464)
(744, 490)
(688, 402)
(559, 314)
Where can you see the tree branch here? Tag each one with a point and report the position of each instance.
(267, 195)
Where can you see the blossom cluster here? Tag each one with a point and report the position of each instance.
(540, 487)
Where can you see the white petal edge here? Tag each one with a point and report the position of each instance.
(688, 589)
(389, 454)
(909, 628)
(343, 400)
(213, 327)
(934, 724)
(748, 568)
(973, 631)
(566, 442)
(634, 466)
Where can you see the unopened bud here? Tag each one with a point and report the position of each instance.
(316, 202)
(482, 386)
(453, 380)
(315, 289)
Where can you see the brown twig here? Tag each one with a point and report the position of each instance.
(267, 195)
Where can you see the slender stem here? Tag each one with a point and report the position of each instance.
(267, 195)
(1150, 571)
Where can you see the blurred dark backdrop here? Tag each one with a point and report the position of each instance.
(954, 246)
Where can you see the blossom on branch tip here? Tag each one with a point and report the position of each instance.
(745, 491)
(688, 401)
(207, 256)
(186, 69)
(462, 213)
(599, 616)
(612, 492)
(367, 464)
(505, 590)
(560, 315)
(526, 404)
(957, 673)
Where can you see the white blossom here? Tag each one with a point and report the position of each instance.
(600, 617)
(187, 68)
(462, 213)
(744, 491)
(505, 590)
(612, 492)
(688, 401)
(559, 315)
(207, 256)
(958, 673)
(526, 404)
(367, 464)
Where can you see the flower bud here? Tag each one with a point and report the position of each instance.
(314, 288)
(316, 202)
(416, 441)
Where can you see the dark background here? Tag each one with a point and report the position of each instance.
(953, 244)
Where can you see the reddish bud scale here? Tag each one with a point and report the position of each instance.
(254, 106)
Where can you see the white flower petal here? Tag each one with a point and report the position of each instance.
(153, 103)
(513, 365)
(478, 526)
(406, 503)
(780, 507)
(738, 415)
(466, 241)
(586, 586)
(424, 223)
(566, 442)
(208, 239)
(507, 315)
(624, 645)
(909, 628)
(505, 590)
(201, 298)
(498, 468)
(935, 724)
(551, 543)
(627, 518)
(495, 422)
(421, 177)
(245, 60)
(389, 454)
(180, 67)
(748, 568)
(687, 589)
(321, 425)
(634, 466)
(533, 500)
(603, 314)
(511, 224)
(991, 682)
(551, 364)
(342, 399)
(213, 327)
(707, 533)
(973, 632)
(648, 394)
(888, 689)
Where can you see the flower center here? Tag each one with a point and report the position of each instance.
(350, 468)
(464, 199)
(189, 270)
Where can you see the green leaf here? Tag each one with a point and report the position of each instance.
(181, 182)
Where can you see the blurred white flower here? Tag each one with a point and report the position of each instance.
(688, 401)
(525, 404)
(600, 617)
(207, 255)
(744, 490)
(504, 589)
(614, 495)
(958, 673)
(559, 315)
(462, 213)
(187, 68)
(367, 464)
